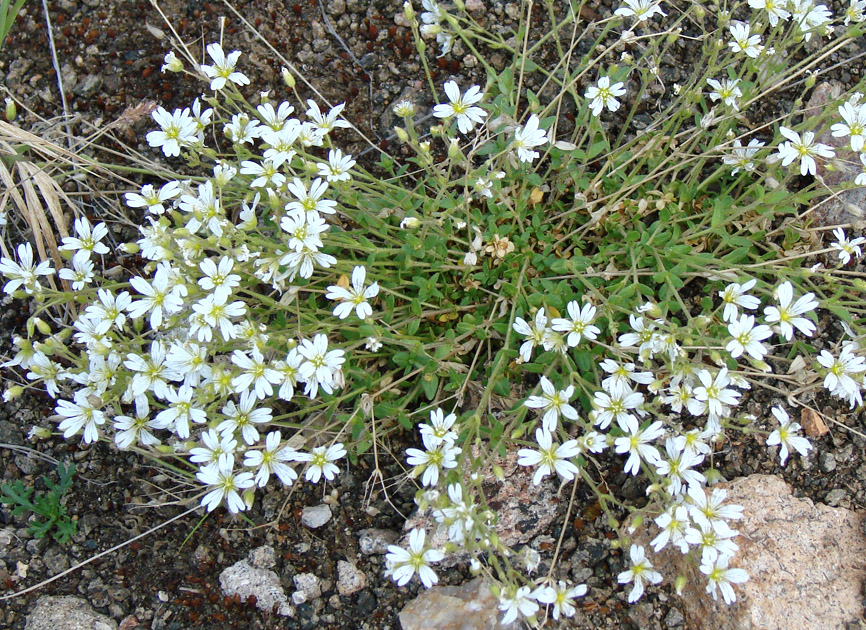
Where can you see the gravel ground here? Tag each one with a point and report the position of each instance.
(169, 580)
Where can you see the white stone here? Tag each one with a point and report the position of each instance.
(243, 579)
(350, 579)
(68, 613)
(308, 588)
(315, 516)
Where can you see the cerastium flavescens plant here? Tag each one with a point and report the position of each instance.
(581, 295)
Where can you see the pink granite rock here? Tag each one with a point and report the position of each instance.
(806, 563)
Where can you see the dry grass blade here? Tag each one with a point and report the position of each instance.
(34, 212)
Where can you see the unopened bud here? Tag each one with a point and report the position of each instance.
(810, 80)
(410, 223)
(41, 326)
(11, 110)
(402, 135)
(498, 473)
(12, 393)
(680, 584)
(130, 248)
(454, 152)
(288, 79)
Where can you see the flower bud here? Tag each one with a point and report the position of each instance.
(408, 11)
(249, 496)
(38, 433)
(680, 584)
(41, 326)
(288, 79)
(130, 248)
(810, 80)
(11, 110)
(410, 223)
(401, 134)
(172, 63)
(454, 152)
(498, 473)
(12, 393)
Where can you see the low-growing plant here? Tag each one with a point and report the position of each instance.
(564, 292)
(48, 511)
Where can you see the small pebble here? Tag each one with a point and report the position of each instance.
(316, 516)
(827, 461)
(350, 579)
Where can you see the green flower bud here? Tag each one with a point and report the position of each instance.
(11, 110)
(288, 79)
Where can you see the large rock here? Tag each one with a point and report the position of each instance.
(848, 206)
(467, 607)
(66, 613)
(805, 564)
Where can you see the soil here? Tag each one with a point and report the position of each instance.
(110, 53)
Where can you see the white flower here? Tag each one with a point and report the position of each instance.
(26, 274)
(312, 199)
(673, 522)
(172, 63)
(223, 68)
(747, 337)
(338, 166)
(266, 173)
(579, 324)
(88, 239)
(216, 448)
(219, 279)
(719, 575)
(640, 9)
(275, 118)
(643, 334)
(129, 430)
(847, 248)
(712, 541)
(322, 462)
(158, 297)
(462, 107)
(80, 414)
(152, 199)
(839, 380)
(713, 395)
(326, 122)
(562, 597)
(244, 416)
(527, 137)
(787, 315)
(710, 511)
(804, 149)
(742, 156)
(440, 455)
(535, 333)
(554, 403)
(615, 406)
(180, 412)
(854, 125)
(743, 41)
(151, 371)
(604, 95)
(550, 457)
(621, 375)
(176, 130)
(354, 298)
(677, 467)
(519, 602)
(775, 9)
(304, 229)
(440, 427)
(403, 564)
(226, 484)
(320, 365)
(257, 375)
(784, 436)
(641, 571)
(854, 12)
(81, 273)
(636, 443)
(727, 91)
(404, 109)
